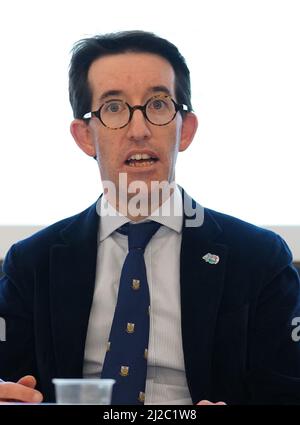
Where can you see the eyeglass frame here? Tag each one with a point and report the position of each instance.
(142, 108)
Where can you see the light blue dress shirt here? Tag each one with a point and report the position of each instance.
(166, 380)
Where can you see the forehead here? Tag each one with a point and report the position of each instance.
(133, 74)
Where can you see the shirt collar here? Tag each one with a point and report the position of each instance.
(169, 214)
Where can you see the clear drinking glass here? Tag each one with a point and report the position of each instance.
(83, 391)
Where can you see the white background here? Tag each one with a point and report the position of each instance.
(244, 58)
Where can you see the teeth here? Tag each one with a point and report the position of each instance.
(140, 164)
(139, 156)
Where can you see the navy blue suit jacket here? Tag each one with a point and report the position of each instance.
(236, 315)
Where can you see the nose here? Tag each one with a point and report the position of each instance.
(138, 127)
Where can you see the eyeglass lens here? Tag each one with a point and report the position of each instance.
(158, 110)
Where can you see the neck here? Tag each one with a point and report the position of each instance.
(139, 206)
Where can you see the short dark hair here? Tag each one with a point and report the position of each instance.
(87, 50)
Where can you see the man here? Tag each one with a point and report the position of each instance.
(223, 293)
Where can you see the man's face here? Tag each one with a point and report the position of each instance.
(134, 78)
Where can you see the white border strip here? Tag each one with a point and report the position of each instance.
(12, 234)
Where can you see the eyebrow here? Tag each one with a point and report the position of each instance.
(157, 89)
(154, 89)
(110, 93)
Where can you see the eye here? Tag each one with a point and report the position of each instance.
(157, 104)
(114, 107)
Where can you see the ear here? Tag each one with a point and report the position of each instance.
(188, 130)
(82, 135)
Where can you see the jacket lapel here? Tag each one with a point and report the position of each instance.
(72, 280)
(201, 291)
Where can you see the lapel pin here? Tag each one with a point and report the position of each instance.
(211, 258)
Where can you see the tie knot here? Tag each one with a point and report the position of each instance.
(139, 234)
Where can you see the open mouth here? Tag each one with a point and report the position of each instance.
(141, 160)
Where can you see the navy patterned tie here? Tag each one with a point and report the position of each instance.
(126, 356)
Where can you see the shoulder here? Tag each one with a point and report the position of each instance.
(234, 227)
(238, 235)
(256, 259)
(248, 242)
(38, 244)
